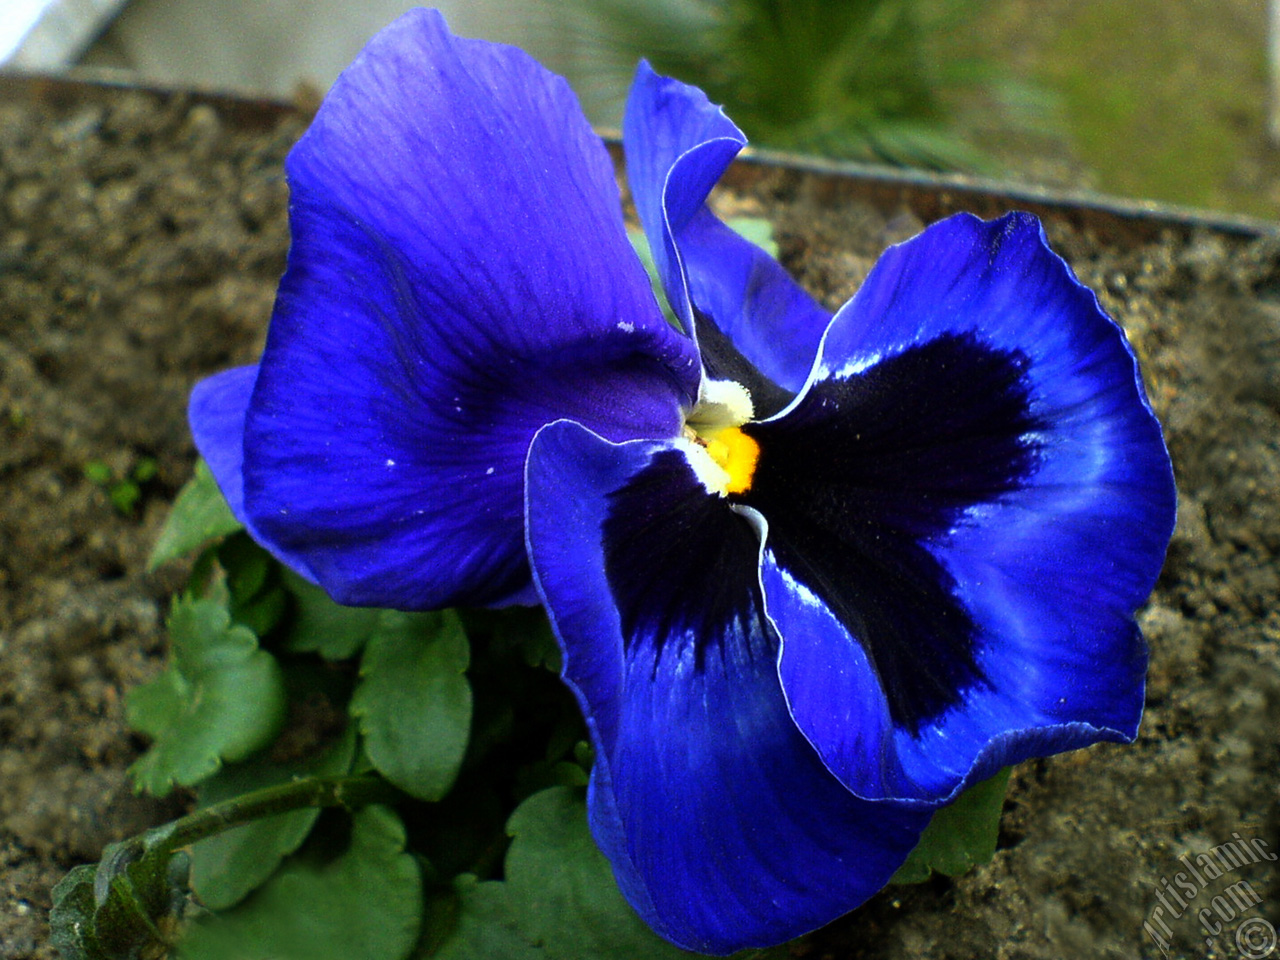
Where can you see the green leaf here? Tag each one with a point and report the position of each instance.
(960, 836)
(413, 701)
(124, 496)
(559, 901)
(98, 473)
(562, 889)
(319, 625)
(71, 928)
(226, 867)
(521, 631)
(145, 470)
(640, 244)
(200, 514)
(246, 564)
(126, 906)
(756, 229)
(221, 698)
(364, 904)
(538, 776)
(528, 630)
(262, 612)
(484, 925)
(252, 582)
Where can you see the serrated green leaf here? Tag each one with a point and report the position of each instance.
(261, 613)
(319, 625)
(71, 927)
(144, 895)
(758, 230)
(123, 907)
(562, 890)
(226, 867)
(413, 701)
(535, 777)
(199, 514)
(960, 836)
(252, 582)
(221, 698)
(246, 565)
(484, 926)
(364, 904)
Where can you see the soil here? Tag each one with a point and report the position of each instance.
(141, 237)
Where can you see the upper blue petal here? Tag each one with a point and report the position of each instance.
(216, 413)
(1008, 499)
(459, 275)
(678, 145)
(724, 828)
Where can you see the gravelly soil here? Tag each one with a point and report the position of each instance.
(140, 241)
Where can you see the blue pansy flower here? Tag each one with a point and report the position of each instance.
(813, 575)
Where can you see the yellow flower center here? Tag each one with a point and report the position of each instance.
(723, 457)
(735, 453)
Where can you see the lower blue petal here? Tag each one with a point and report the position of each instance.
(724, 828)
(990, 519)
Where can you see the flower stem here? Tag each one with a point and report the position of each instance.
(349, 792)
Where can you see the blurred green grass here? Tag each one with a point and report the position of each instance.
(852, 79)
(1158, 99)
(1163, 100)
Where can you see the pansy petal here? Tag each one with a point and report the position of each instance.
(459, 275)
(988, 500)
(678, 145)
(723, 827)
(216, 414)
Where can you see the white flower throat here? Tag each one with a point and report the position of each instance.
(723, 457)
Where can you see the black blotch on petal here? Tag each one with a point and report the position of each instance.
(868, 469)
(682, 565)
(723, 361)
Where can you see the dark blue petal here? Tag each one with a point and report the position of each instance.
(988, 501)
(886, 462)
(724, 828)
(678, 144)
(459, 276)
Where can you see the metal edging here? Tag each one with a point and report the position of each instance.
(929, 196)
